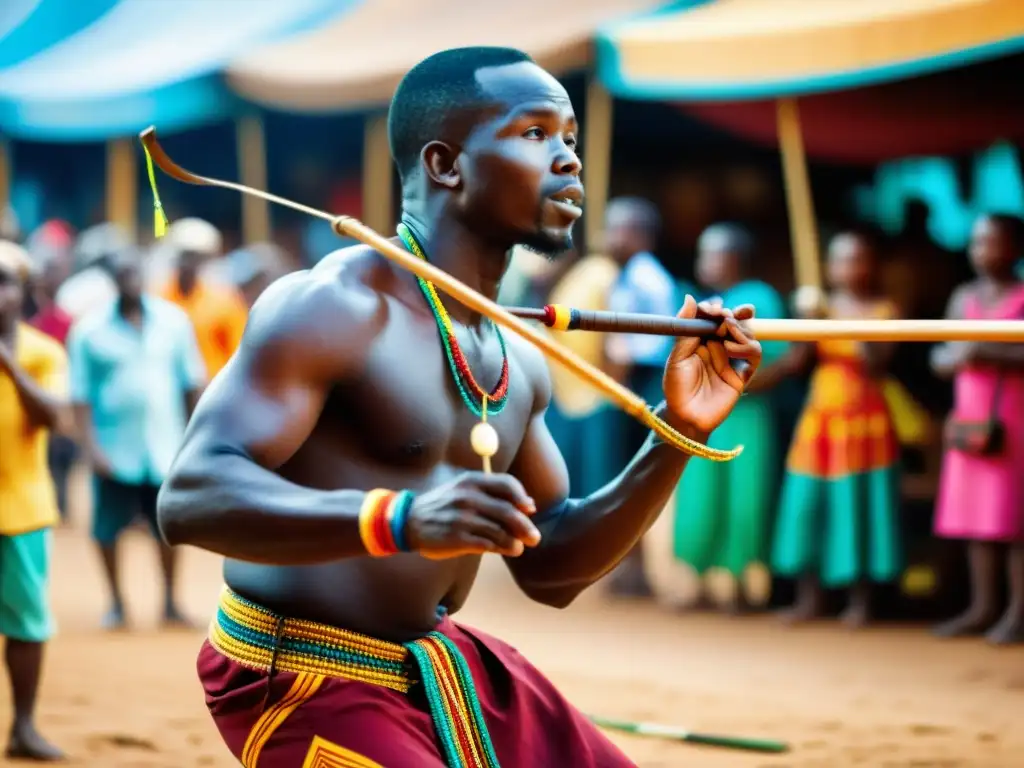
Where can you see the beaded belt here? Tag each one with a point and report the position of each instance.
(256, 638)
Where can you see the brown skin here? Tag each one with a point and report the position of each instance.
(304, 419)
(853, 278)
(24, 660)
(128, 277)
(993, 255)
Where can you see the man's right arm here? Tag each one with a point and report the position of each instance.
(223, 493)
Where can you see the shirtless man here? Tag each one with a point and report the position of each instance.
(320, 652)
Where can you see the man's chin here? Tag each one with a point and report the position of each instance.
(549, 245)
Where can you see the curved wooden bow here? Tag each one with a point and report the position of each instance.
(346, 226)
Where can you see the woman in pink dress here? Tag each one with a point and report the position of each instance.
(981, 494)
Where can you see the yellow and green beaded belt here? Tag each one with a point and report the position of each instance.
(256, 638)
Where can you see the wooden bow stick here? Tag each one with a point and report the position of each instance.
(564, 318)
(346, 226)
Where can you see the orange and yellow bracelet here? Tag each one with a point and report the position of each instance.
(382, 521)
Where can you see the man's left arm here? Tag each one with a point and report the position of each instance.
(584, 539)
(45, 399)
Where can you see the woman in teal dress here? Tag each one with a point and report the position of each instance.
(723, 509)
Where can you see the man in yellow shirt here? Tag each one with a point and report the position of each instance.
(32, 402)
(217, 311)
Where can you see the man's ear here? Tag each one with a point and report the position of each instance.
(441, 162)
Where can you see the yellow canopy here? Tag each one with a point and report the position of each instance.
(740, 49)
(358, 60)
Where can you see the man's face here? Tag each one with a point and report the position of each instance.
(12, 294)
(128, 277)
(991, 251)
(518, 168)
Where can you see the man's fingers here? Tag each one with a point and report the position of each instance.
(744, 312)
(689, 308)
(501, 540)
(504, 515)
(505, 487)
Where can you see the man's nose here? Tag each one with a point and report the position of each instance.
(567, 162)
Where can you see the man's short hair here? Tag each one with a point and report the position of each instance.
(1012, 225)
(735, 238)
(643, 214)
(431, 91)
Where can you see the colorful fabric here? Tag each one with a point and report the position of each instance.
(473, 395)
(135, 381)
(723, 510)
(54, 322)
(218, 316)
(339, 696)
(27, 497)
(839, 506)
(24, 582)
(982, 497)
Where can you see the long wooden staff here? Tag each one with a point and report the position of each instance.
(346, 226)
(563, 318)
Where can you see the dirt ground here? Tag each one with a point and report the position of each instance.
(887, 697)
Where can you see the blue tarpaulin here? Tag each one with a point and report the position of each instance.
(139, 62)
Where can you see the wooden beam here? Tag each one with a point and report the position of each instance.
(123, 185)
(597, 161)
(378, 175)
(252, 167)
(802, 224)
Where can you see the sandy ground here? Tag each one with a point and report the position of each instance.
(886, 697)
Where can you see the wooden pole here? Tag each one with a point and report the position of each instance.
(122, 185)
(802, 225)
(597, 160)
(252, 167)
(6, 175)
(378, 174)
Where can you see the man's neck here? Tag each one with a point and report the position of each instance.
(129, 308)
(450, 246)
(187, 282)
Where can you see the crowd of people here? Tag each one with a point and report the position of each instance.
(105, 349)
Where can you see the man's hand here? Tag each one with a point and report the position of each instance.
(704, 378)
(473, 514)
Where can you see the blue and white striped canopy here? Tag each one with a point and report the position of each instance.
(82, 70)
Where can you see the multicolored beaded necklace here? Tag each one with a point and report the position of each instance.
(473, 395)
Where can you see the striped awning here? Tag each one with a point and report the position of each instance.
(139, 62)
(749, 49)
(358, 61)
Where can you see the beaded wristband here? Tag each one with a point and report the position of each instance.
(373, 523)
(398, 513)
(382, 521)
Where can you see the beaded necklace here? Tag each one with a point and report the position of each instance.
(473, 395)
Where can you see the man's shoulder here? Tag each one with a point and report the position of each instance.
(334, 299)
(644, 270)
(166, 311)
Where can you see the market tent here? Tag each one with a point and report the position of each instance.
(358, 61)
(30, 26)
(748, 49)
(942, 114)
(737, 50)
(144, 61)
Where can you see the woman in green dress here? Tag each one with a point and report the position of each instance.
(723, 509)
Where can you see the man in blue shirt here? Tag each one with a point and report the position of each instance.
(632, 225)
(135, 376)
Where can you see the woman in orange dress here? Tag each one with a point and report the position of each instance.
(838, 520)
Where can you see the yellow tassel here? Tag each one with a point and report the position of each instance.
(160, 222)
